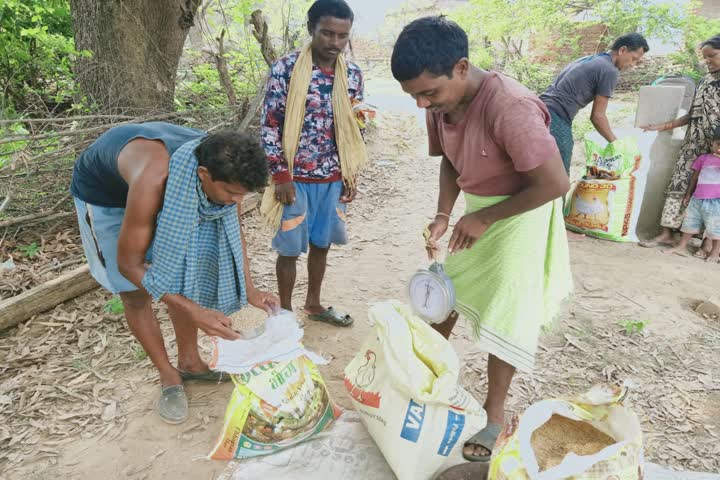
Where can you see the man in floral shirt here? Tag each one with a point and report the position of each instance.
(313, 194)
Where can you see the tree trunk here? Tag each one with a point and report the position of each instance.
(136, 47)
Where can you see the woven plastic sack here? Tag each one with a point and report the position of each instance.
(404, 384)
(606, 202)
(602, 407)
(279, 399)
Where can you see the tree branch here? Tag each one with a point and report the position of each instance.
(260, 32)
(68, 133)
(67, 119)
(35, 218)
(222, 69)
(254, 105)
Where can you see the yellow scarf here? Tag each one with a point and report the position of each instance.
(350, 144)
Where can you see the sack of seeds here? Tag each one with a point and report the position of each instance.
(606, 202)
(589, 437)
(279, 399)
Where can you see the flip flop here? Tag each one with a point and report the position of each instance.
(211, 376)
(173, 404)
(333, 317)
(485, 438)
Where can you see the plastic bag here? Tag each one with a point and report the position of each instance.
(606, 202)
(514, 457)
(279, 399)
(404, 384)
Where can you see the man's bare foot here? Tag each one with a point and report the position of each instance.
(328, 315)
(313, 309)
(193, 367)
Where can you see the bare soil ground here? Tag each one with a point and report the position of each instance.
(77, 393)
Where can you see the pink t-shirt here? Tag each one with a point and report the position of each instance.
(504, 132)
(708, 186)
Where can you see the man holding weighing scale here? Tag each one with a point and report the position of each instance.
(508, 265)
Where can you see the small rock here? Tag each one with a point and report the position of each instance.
(109, 412)
(707, 309)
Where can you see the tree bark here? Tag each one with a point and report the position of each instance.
(261, 33)
(136, 47)
(221, 64)
(48, 295)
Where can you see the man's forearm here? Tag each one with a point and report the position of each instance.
(133, 271)
(135, 274)
(602, 125)
(449, 189)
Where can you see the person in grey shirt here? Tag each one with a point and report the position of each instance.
(589, 79)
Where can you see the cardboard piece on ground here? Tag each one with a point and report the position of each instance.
(658, 104)
(345, 451)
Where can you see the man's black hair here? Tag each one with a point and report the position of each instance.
(713, 42)
(631, 41)
(234, 157)
(430, 44)
(329, 8)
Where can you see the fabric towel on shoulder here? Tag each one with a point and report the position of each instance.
(350, 143)
(197, 250)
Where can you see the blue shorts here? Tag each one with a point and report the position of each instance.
(702, 213)
(99, 230)
(317, 217)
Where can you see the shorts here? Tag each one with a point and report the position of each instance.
(316, 217)
(99, 230)
(702, 213)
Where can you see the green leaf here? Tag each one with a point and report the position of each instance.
(114, 306)
(31, 250)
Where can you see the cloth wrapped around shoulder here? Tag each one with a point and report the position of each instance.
(197, 250)
(350, 144)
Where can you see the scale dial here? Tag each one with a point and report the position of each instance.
(431, 294)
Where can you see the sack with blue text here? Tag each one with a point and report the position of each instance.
(404, 384)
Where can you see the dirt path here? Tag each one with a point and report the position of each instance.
(77, 394)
